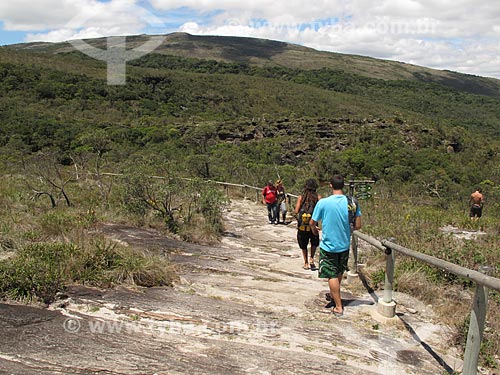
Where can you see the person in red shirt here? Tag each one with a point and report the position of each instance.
(270, 199)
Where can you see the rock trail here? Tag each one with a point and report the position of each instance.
(243, 307)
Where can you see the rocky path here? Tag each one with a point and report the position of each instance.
(244, 307)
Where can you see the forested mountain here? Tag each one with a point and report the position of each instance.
(241, 108)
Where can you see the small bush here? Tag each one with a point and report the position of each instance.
(62, 221)
(40, 270)
(212, 204)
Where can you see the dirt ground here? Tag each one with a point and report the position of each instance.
(245, 306)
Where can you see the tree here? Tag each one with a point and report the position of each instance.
(48, 176)
(98, 143)
(202, 138)
(15, 151)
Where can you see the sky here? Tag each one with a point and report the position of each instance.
(458, 35)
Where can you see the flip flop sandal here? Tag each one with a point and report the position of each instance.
(337, 314)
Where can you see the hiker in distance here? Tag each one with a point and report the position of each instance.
(270, 199)
(476, 202)
(280, 190)
(333, 212)
(303, 212)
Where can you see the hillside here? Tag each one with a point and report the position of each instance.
(76, 153)
(258, 103)
(262, 76)
(268, 53)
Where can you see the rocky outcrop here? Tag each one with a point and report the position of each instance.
(243, 307)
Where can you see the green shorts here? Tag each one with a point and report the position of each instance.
(331, 265)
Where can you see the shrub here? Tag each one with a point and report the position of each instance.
(212, 203)
(40, 270)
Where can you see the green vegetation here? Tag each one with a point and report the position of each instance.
(418, 223)
(44, 248)
(198, 115)
(40, 270)
(76, 152)
(52, 250)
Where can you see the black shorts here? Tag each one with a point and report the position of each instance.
(304, 237)
(476, 211)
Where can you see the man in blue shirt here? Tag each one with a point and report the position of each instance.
(335, 242)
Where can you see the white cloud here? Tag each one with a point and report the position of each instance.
(294, 10)
(446, 34)
(457, 35)
(37, 15)
(58, 20)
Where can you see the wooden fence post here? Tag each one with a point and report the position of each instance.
(352, 275)
(476, 328)
(389, 276)
(387, 307)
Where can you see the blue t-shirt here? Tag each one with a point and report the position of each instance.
(334, 216)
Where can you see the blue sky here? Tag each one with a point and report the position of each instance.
(10, 37)
(458, 35)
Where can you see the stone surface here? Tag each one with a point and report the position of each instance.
(243, 307)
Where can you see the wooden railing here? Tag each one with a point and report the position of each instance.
(386, 306)
(245, 187)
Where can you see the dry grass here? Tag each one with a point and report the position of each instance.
(418, 228)
(24, 222)
(44, 249)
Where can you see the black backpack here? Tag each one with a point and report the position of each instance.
(352, 206)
